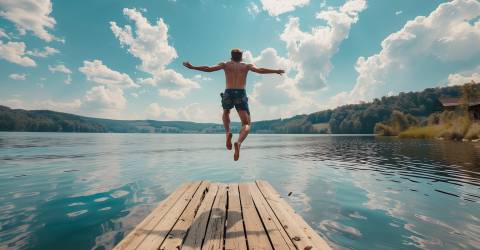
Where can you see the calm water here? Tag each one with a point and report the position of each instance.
(86, 191)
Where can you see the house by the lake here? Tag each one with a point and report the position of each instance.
(453, 103)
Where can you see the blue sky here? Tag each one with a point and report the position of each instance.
(122, 59)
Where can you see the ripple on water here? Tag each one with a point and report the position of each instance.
(330, 225)
(77, 213)
(119, 193)
(97, 187)
(102, 199)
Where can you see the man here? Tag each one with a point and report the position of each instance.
(235, 95)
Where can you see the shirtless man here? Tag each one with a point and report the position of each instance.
(235, 95)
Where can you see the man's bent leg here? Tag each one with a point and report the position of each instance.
(226, 125)
(245, 119)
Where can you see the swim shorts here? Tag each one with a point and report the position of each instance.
(235, 98)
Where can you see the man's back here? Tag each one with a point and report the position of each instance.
(235, 75)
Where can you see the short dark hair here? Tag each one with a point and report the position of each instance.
(236, 55)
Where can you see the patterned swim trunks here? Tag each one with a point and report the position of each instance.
(235, 98)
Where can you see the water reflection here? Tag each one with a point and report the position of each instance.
(86, 191)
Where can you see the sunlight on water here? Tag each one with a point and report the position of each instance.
(86, 191)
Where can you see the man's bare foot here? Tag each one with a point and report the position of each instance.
(237, 151)
(229, 141)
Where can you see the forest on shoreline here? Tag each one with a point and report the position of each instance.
(348, 119)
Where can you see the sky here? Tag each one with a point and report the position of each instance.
(123, 59)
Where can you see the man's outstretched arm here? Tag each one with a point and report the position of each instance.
(265, 70)
(205, 68)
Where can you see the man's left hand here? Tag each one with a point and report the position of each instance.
(188, 65)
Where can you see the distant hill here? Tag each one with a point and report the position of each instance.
(51, 121)
(348, 119)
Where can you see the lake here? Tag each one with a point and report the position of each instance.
(86, 191)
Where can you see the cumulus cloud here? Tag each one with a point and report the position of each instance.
(191, 112)
(97, 72)
(14, 52)
(63, 106)
(275, 7)
(108, 98)
(47, 51)
(59, 68)
(464, 77)
(450, 34)
(277, 96)
(13, 103)
(271, 89)
(307, 64)
(200, 77)
(104, 100)
(149, 43)
(18, 77)
(312, 51)
(30, 15)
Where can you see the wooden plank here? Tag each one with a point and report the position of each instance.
(256, 235)
(303, 236)
(216, 225)
(162, 229)
(196, 234)
(277, 234)
(179, 231)
(318, 241)
(134, 238)
(235, 233)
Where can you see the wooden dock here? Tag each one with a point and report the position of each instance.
(203, 215)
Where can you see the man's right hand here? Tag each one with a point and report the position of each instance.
(280, 71)
(188, 65)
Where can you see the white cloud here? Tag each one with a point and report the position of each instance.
(464, 77)
(47, 51)
(172, 94)
(97, 72)
(63, 106)
(312, 51)
(18, 77)
(278, 7)
(253, 9)
(66, 106)
(105, 99)
(100, 101)
(149, 43)
(276, 96)
(307, 65)
(202, 77)
(59, 68)
(13, 103)
(271, 89)
(191, 112)
(30, 15)
(449, 34)
(14, 52)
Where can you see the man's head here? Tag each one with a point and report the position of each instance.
(236, 55)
